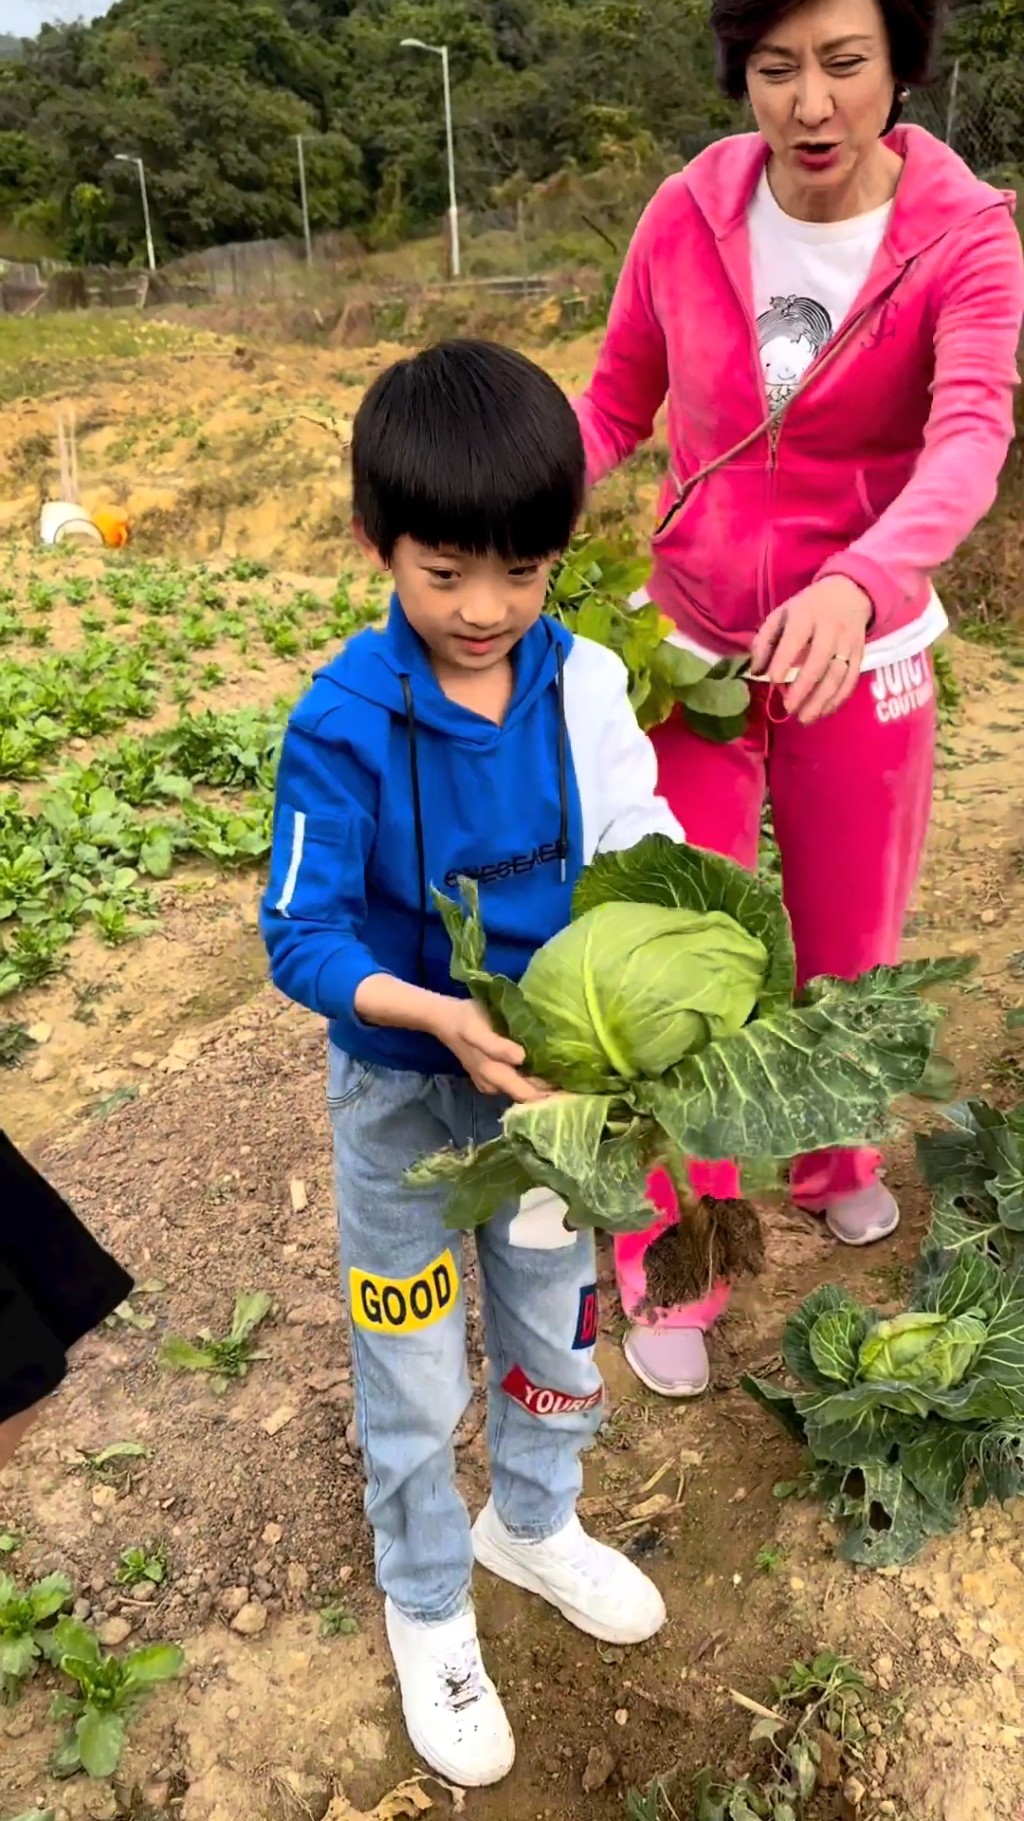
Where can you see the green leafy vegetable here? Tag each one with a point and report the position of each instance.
(921, 1348)
(627, 989)
(902, 1417)
(975, 1170)
(25, 1636)
(110, 1690)
(224, 1359)
(667, 1010)
(138, 1566)
(816, 1703)
(590, 592)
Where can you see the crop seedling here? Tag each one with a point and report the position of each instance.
(812, 1736)
(9, 1542)
(668, 1012)
(337, 1622)
(26, 1635)
(226, 1359)
(15, 1044)
(105, 1459)
(652, 1804)
(110, 1691)
(139, 1566)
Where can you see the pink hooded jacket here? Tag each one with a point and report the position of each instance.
(890, 453)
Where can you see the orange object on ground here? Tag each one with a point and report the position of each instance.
(112, 524)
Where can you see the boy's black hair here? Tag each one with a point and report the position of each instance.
(472, 446)
(913, 28)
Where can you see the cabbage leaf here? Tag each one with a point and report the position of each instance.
(724, 1058)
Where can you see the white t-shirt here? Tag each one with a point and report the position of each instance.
(806, 276)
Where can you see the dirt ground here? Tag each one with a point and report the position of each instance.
(184, 1116)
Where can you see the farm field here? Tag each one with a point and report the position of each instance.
(178, 1102)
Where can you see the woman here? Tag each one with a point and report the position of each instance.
(56, 1283)
(832, 306)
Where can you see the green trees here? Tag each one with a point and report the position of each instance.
(211, 93)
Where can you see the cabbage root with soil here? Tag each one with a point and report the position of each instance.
(668, 1013)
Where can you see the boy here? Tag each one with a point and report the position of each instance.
(472, 736)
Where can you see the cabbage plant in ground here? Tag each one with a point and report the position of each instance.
(975, 1171)
(905, 1418)
(668, 1011)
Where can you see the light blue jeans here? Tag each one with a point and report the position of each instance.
(402, 1275)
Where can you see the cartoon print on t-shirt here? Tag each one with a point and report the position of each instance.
(789, 334)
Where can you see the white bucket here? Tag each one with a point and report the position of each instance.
(62, 519)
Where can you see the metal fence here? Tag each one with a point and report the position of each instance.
(980, 113)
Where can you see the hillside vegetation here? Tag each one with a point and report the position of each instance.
(212, 93)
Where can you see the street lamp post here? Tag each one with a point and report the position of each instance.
(132, 158)
(441, 50)
(304, 193)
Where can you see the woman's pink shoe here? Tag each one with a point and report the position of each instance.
(863, 1217)
(673, 1362)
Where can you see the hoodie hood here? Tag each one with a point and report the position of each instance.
(388, 667)
(936, 193)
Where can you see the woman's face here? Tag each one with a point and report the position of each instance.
(821, 87)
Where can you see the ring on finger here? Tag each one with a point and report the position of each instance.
(838, 658)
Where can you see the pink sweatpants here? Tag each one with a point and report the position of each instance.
(850, 797)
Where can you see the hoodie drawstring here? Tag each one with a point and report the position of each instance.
(417, 811)
(563, 789)
(417, 801)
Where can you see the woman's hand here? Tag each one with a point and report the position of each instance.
(492, 1063)
(821, 631)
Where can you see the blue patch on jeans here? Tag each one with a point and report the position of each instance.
(586, 1320)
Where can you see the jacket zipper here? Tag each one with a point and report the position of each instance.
(771, 426)
(767, 592)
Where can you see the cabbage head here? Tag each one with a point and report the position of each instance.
(919, 1348)
(629, 989)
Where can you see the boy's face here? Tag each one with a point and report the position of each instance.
(470, 611)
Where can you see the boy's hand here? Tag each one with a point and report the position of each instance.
(491, 1062)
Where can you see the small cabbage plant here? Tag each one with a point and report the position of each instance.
(668, 1011)
(901, 1418)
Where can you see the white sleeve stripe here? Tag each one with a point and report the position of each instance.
(292, 879)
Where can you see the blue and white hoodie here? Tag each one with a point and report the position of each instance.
(386, 788)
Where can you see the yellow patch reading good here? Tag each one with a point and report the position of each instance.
(403, 1305)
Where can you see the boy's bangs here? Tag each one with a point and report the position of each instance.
(473, 508)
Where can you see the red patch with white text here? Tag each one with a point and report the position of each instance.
(540, 1400)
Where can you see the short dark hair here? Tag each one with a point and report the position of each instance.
(913, 28)
(471, 445)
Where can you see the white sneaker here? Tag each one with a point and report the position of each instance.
(453, 1712)
(594, 1587)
